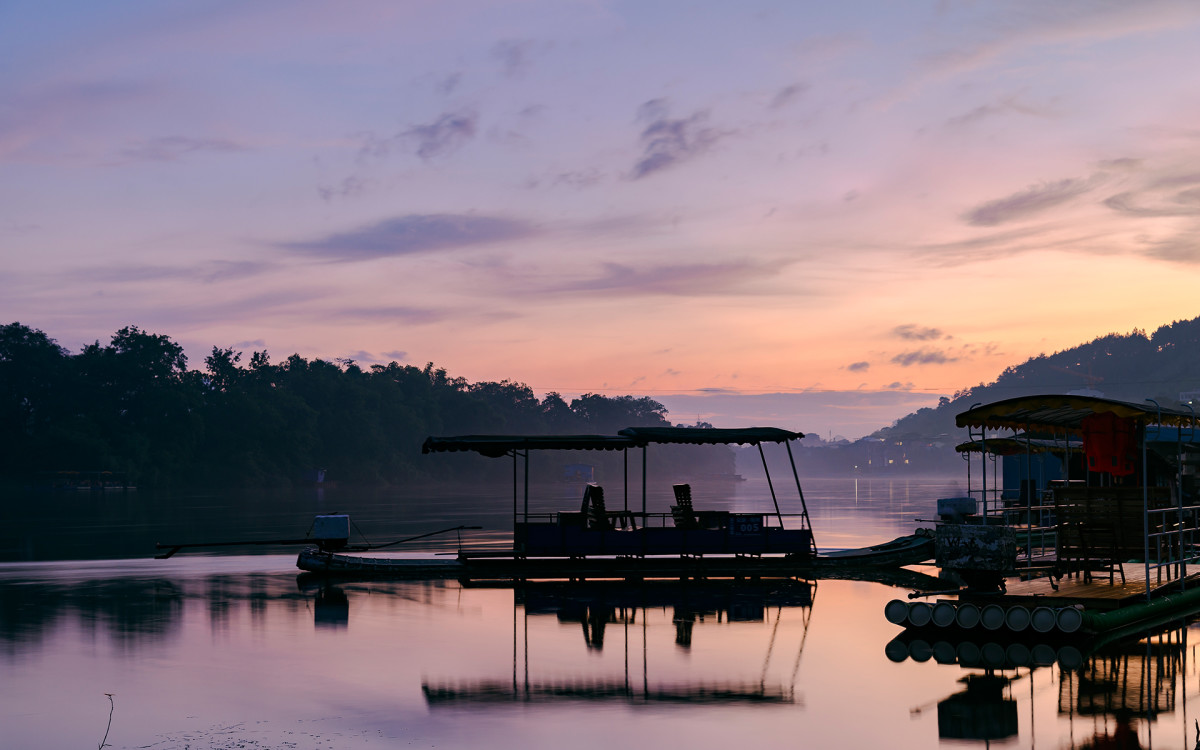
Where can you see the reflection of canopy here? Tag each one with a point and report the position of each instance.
(1061, 413)
(1019, 444)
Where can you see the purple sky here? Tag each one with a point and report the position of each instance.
(881, 202)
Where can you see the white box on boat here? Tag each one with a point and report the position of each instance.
(331, 527)
(956, 507)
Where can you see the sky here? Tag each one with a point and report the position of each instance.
(838, 211)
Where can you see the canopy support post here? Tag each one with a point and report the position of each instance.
(803, 505)
(770, 486)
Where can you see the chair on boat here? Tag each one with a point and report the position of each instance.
(593, 508)
(682, 511)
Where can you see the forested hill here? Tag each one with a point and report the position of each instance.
(134, 406)
(1130, 367)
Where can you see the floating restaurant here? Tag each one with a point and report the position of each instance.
(1094, 539)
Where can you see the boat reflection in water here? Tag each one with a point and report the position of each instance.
(632, 619)
(1112, 691)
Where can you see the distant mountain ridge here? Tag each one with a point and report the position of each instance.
(1129, 367)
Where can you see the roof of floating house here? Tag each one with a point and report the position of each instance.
(1064, 413)
(1019, 445)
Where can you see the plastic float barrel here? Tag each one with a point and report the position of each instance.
(968, 654)
(992, 617)
(943, 652)
(1043, 655)
(1070, 657)
(943, 614)
(896, 650)
(967, 616)
(1042, 619)
(896, 612)
(919, 650)
(1017, 618)
(1069, 619)
(1018, 654)
(992, 655)
(919, 614)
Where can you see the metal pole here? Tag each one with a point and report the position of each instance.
(644, 449)
(803, 505)
(527, 485)
(769, 485)
(1146, 499)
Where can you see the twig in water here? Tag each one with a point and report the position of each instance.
(111, 706)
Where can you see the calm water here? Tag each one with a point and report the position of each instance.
(210, 651)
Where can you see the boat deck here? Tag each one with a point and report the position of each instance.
(1096, 594)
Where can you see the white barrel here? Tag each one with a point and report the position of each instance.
(1042, 619)
(1018, 654)
(1016, 618)
(968, 654)
(992, 617)
(943, 653)
(1043, 655)
(967, 616)
(919, 650)
(896, 612)
(1070, 619)
(992, 655)
(1069, 657)
(896, 650)
(919, 614)
(943, 614)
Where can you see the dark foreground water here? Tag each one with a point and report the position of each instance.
(210, 651)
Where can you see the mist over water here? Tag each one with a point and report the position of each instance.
(236, 650)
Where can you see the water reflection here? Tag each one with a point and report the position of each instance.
(1113, 689)
(631, 617)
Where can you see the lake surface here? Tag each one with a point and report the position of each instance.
(230, 651)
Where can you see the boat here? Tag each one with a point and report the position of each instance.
(598, 541)
(1092, 531)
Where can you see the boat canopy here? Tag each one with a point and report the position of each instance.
(1060, 413)
(642, 436)
(495, 446)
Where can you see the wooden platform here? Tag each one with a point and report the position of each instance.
(1097, 594)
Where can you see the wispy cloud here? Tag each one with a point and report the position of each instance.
(390, 313)
(1033, 200)
(667, 142)
(858, 366)
(208, 272)
(175, 147)
(683, 279)
(1177, 195)
(917, 333)
(445, 135)
(923, 357)
(414, 233)
(516, 55)
(788, 95)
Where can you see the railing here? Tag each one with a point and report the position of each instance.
(1173, 540)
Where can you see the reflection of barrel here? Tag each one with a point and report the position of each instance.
(1016, 618)
(968, 654)
(1070, 657)
(1070, 619)
(919, 650)
(967, 616)
(1043, 655)
(1018, 654)
(896, 612)
(993, 655)
(919, 614)
(1042, 619)
(896, 649)
(943, 652)
(992, 617)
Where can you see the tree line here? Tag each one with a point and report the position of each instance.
(133, 406)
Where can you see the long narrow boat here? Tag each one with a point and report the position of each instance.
(596, 541)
